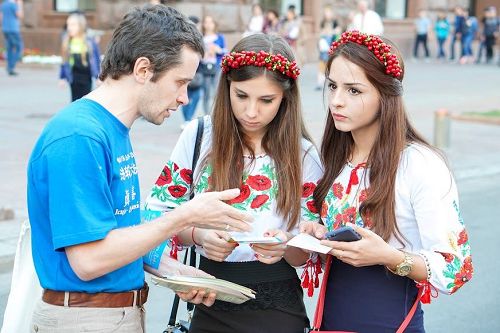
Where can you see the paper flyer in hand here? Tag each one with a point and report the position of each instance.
(250, 239)
(308, 242)
(225, 290)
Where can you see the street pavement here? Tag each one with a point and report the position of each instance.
(29, 100)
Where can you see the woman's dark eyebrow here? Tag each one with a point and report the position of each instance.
(349, 84)
(241, 92)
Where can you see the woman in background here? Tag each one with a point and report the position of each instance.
(81, 58)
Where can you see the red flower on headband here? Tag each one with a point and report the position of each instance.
(272, 62)
(376, 45)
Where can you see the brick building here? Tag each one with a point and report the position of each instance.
(44, 19)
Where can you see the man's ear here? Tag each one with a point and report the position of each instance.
(142, 70)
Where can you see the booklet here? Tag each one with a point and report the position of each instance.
(308, 242)
(225, 290)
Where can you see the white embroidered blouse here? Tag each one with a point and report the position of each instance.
(258, 190)
(427, 213)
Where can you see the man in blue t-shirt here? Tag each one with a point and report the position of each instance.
(11, 12)
(83, 187)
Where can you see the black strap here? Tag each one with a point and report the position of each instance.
(191, 251)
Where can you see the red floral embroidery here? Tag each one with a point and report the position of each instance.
(308, 189)
(367, 220)
(244, 194)
(176, 167)
(324, 210)
(338, 221)
(312, 207)
(462, 237)
(337, 190)
(464, 275)
(448, 257)
(259, 201)
(349, 215)
(165, 177)
(363, 195)
(177, 191)
(187, 175)
(259, 183)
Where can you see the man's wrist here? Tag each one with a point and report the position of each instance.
(176, 220)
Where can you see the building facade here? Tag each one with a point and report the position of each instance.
(44, 19)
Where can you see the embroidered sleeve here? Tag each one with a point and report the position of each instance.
(442, 231)
(312, 172)
(171, 189)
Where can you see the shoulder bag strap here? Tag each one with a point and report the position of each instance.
(318, 314)
(191, 251)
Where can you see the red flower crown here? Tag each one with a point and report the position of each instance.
(375, 44)
(272, 62)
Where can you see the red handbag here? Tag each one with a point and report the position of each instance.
(423, 292)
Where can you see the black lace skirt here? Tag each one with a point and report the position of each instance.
(278, 306)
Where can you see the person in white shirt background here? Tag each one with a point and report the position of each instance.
(367, 20)
(256, 23)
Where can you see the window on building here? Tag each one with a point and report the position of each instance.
(73, 5)
(395, 9)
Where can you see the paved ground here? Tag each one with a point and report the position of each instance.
(27, 102)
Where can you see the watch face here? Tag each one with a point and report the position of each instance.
(404, 270)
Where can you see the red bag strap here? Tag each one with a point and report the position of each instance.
(424, 295)
(318, 314)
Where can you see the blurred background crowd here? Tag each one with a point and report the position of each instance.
(74, 33)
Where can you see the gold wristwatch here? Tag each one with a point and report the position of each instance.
(404, 268)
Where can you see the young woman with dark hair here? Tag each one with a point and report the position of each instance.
(255, 140)
(394, 189)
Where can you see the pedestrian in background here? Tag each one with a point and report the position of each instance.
(215, 47)
(81, 57)
(11, 14)
(329, 32)
(422, 27)
(256, 140)
(366, 20)
(392, 188)
(468, 33)
(290, 27)
(490, 30)
(442, 29)
(256, 23)
(457, 32)
(272, 26)
(194, 89)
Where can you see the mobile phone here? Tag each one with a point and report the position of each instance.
(343, 234)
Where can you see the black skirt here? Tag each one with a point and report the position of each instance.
(278, 306)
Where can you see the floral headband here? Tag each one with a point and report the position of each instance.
(272, 62)
(375, 44)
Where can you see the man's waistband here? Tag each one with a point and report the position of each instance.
(97, 300)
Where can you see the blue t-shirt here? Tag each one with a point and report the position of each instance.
(10, 22)
(82, 183)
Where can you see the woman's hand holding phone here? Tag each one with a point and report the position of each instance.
(370, 250)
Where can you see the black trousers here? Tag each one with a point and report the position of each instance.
(421, 39)
(80, 88)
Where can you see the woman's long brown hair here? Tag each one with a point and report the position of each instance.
(282, 141)
(395, 133)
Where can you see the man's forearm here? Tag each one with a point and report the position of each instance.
(122, 246)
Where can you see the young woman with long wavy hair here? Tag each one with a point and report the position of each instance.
(392, 187)
(255, 140)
